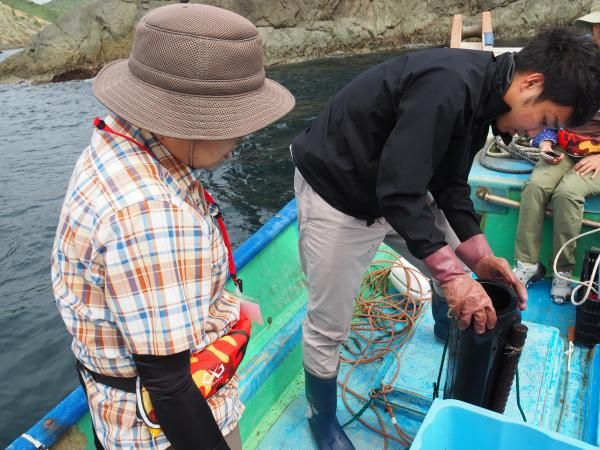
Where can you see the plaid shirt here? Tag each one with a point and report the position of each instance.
(138, 267)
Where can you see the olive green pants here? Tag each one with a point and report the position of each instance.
(565, 191)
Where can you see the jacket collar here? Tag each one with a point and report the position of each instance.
(498, 79)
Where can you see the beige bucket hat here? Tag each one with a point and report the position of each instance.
(594, 15)
(194, 72)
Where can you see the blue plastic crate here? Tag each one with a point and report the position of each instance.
(455, 425)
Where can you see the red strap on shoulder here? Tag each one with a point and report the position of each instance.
(232, 271)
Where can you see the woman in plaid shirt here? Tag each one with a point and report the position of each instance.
(139, 264)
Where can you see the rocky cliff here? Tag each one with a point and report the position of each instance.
(17, 27)
(83, 40)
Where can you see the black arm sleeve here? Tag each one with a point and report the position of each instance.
(183, 413)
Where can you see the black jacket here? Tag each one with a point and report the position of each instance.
(404, 127)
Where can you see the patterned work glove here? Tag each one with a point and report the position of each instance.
(466, 298)
(468, 301)
(476, 253)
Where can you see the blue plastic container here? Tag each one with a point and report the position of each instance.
(455, 425)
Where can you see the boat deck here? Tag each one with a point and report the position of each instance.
(542, 384)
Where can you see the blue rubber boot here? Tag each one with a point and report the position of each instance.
(322, 405)
(439, 310)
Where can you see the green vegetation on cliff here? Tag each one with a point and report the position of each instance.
(32, 9)
(49, 11)
(17, 27)
(59, 7)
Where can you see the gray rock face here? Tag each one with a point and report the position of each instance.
(82, 41)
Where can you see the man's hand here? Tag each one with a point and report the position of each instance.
(494, 268)
(477, 254)
(466, 297)
(589, 164)
(468, 301)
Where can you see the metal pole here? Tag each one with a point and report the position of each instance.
(484, 194)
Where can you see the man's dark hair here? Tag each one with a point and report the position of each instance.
(570, 63)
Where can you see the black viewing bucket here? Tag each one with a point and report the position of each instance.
(474, 360)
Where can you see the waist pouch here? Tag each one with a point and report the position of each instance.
(578, 145)
(210, 368)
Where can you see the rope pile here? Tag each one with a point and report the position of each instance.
(384, 321)
(519, 148)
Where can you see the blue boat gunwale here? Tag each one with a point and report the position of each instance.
(70, 410)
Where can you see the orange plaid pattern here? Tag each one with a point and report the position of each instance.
(138, 266)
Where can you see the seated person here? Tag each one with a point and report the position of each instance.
(564, 182)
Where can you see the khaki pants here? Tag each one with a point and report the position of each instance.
(565, 191)
(335, 250)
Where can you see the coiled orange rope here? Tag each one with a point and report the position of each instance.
(384, 321)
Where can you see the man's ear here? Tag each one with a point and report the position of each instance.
(531, 85)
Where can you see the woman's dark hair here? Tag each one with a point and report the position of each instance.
(570, 63)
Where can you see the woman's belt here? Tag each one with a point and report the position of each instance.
(126, 384)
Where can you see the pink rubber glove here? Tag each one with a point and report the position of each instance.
(476, 253)
(466, 298)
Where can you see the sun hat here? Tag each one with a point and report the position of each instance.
(594, 15)
(195, 72)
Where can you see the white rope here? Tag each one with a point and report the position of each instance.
(589, 283)
(512, 351)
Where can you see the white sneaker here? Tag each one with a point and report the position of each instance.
(561, 289)
(529, 273)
